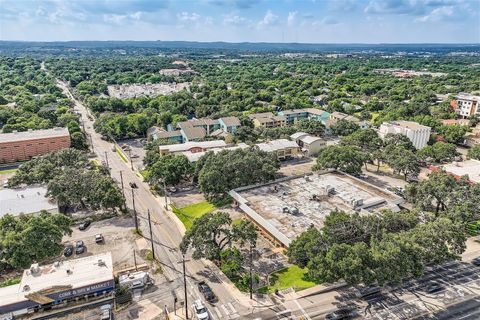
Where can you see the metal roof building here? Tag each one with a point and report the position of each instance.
(25, 200)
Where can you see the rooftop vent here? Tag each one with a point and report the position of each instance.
(56, 264)
(26, 288)
(34, 268)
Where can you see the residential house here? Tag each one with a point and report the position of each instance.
(309, 145)
(229, 124)
(192, 146)
(466, 105)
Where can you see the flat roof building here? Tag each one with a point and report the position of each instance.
(282, 147)
(195, 156)
(21, 146)
(26, 200)
(192, 147)
(417, 133)
(285, 208)
(470, 168)
(54, 285)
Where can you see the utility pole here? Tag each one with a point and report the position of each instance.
(135, 260)
(165, 193)
(151, 234)
(185, 286)
(251, 271)
(121, 181)
(106, 160)
(134, 211)
(130, 156)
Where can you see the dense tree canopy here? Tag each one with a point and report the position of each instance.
(348, 159)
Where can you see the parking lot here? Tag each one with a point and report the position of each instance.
(137, 150)
(118, 239)
(455, 282)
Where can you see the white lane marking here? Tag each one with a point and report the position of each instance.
(219, 314)
(230, 305)
(227, 312)
(302, 310)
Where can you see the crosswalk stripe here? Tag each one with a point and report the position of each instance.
(219, 314)
(227, 312)
(230, 305)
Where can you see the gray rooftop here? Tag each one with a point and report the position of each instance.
(25, 200)
(33, 135)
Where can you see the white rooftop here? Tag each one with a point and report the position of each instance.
(471, 168)
(467, 96)
(82, 272)
(298, 135)
(310, 139)
(406, 124)
(193, 144)
(25, 200)
(275, 145)
(194, 156)
(33, 134)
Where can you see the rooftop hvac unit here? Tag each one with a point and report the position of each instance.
(56, 264)
(34, 268)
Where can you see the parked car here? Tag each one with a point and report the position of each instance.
(200, 311)
(476, 261)
(84, 225)
(207, 292)
(99, 238)
(125, 147)
(134, 156)
(133, 185)
(68, 251)
(434, 287)
(79, 247)
(341, 314)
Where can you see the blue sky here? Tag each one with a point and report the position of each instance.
(313, 21)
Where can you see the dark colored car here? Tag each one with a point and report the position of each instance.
(434, 288)
(79, 247)
(207, 292)
(476, 261)
(341, 314)
(133, 185)
(84, 225)
(68, 251)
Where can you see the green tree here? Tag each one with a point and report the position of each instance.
(171, 169)
(474, 152)
(310, 126)
(231, 261)
(402, 161)
(344, 127)
(344, 158)
(438, 152)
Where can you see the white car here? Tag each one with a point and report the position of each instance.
(200, 311)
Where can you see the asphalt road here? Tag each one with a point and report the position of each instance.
(166, 235)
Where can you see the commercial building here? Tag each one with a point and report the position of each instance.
(285, 208)
(26, 200)
(309, 145)
(192, 147)
(195, 156)
(58, 285)
(466, 105)
(470, 168)
(417, 133)
(21, 146)
(283, 148)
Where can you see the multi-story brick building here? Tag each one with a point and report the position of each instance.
(466, 105)
(21, 146)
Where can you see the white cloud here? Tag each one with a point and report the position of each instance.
(438, 14)
(269, 19)
(235, 20)
(114, 18)
(292, 17)
(186, 16)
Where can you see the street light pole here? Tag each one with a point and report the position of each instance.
(251, 271)
(185, 286)
(151, 234)
(134, 211)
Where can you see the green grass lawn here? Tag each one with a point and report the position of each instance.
(189, 213)
(2, 171)
(291, 277)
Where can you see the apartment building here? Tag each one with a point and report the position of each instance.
(267, 120)
(295, 115)
(417, 133)
(21, 146)
(198, 129)
(466, 105)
